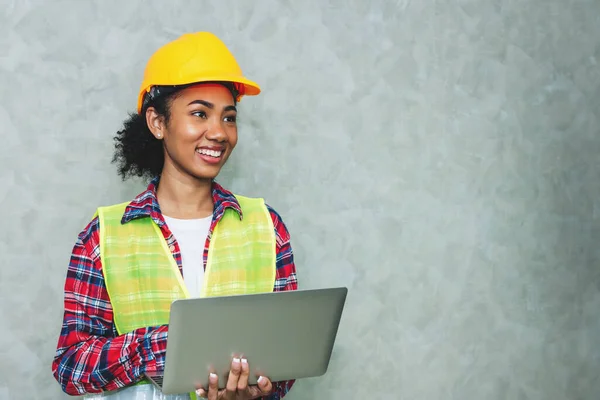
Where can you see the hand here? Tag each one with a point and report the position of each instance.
(237, 384)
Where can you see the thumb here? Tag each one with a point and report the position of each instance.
(265, 385)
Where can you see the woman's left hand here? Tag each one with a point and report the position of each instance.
(237, 387)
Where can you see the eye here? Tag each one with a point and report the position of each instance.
(200, 114)
(231, 119)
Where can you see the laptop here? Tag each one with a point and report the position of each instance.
(284, 335)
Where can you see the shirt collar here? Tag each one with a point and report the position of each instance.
(146, 205)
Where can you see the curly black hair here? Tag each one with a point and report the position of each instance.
(137, 152)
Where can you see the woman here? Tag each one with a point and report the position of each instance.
(165, 240)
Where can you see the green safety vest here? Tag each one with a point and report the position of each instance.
(142, 277)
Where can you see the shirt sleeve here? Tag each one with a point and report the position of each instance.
(91, 357)
(285, 280)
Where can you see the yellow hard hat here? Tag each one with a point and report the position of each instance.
(193, 58)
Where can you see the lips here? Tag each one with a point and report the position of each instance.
(210, 155)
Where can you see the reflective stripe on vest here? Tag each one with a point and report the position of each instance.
(142, 277)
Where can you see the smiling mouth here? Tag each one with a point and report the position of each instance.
(210, 153)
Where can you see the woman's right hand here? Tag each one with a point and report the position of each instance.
(237, 387)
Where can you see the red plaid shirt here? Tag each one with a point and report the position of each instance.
(91, 356)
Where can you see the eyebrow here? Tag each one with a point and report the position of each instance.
(211, 106)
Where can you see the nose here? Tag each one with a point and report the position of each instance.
(216, 132)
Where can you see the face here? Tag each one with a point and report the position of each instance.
(201, 132)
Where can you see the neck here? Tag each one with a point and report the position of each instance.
(184, 197)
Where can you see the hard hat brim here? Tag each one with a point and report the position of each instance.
(247, 87)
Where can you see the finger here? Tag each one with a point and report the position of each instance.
(243, 381)
(265, 385)
(201, 393)
(213, 386)
(234, 375)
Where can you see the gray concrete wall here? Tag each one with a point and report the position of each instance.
(438, 157)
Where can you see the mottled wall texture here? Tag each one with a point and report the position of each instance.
(438, 157)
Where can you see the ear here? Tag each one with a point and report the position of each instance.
(155, 122)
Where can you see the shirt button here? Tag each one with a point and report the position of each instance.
(172, 248)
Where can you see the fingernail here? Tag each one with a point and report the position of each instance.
(260, 379)
(213, 375)
(236, 360)
(244, 361)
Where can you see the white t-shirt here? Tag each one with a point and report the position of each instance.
(191, 237)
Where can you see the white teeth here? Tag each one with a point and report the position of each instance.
(212, 153)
